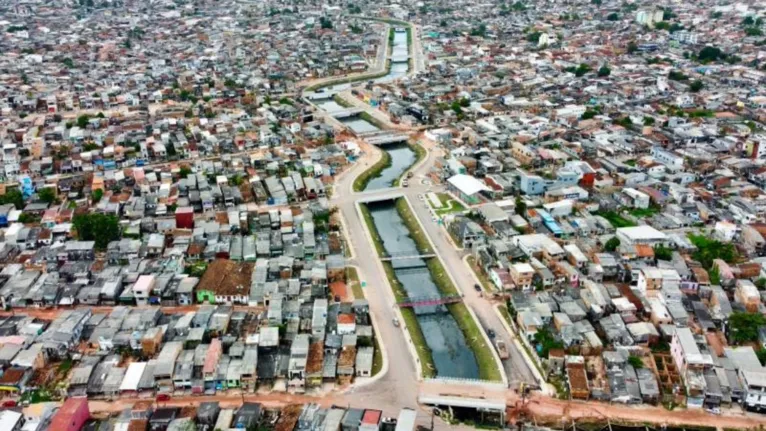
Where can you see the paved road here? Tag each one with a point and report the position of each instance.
(516, 368)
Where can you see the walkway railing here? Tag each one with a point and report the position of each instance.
(425, 301)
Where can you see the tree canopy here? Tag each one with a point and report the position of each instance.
(612, 244)
(743, 327)
(47, 195)
(545, 342)
(709, 249)
(13, 197)
(663, 253)
(97, 227)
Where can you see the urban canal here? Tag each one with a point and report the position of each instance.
(402, 156)
(451, 354)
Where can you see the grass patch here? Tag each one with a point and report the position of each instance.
(350, 79)
(416, 233)
(644, 212)
(370, 119)
(427, 367)
(377, 358)
(361, 182)
(352, 279)
(420, 154)
(341, 101)
(449, 205)
(36, 396)
(483, 280)
(473, 334)
(65, 366)
(615, 219)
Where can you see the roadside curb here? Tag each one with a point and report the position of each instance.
(490, 346)
(392, 299)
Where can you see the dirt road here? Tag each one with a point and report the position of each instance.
(53, 313)
(550, 410)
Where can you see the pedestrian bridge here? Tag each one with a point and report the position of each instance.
(388, 138)
(406, 255)
(425, 301)
(346, 113)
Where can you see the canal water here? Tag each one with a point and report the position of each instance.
(402, 157)
(451, 354)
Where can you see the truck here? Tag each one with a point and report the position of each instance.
(502, 350)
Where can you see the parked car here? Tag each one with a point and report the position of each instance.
(163, 397)
(502, 350)
(477, 287)
(491, 333)
(9, 403)
(395, 321)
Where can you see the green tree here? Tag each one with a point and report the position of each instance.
(14, 197)
(534, 36)
(480, 31)
(709, 53)
(170, 150)
(97, 227)
(588, 114)
(663, 253)
(624, 121)
(47, 195)
(635, 362)
(696, 86)
(82, 121)
(545, 342)
(708, 250)
(675, 27)
(743, 327)
(596, 2)
(604, 71)
(521, 206)
(648, 121)
(677, 76)
(748, 21)
(760, 283)
(614, 16)
(96, 195)
(715, 275)
(612, 244)
(25, 218)
(184, 171)
(580, 70)
(632, 47)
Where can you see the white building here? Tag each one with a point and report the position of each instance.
(641, 235)
(671, 160)
(637, 198)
